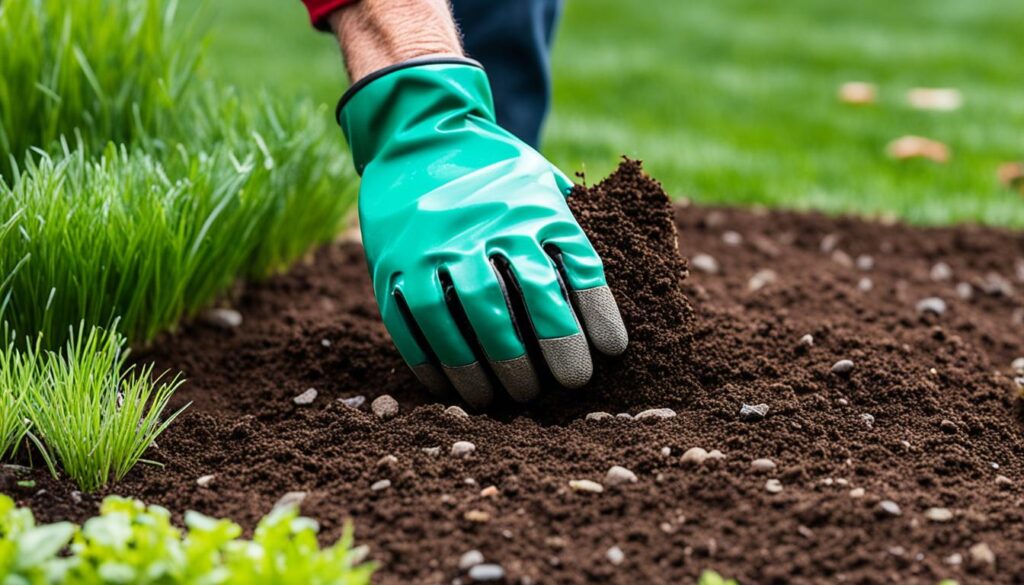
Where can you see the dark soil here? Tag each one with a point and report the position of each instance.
(939, 388)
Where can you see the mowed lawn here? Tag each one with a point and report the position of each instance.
(734, 101)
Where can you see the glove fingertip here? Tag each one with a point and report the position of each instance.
(602, 319)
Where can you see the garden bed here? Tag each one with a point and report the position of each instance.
(905, 469)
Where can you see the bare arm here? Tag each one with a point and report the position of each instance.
(374, 34)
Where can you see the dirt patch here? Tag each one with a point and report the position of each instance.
(926, 418)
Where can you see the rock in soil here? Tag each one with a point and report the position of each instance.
(384, 407)
(462, 448)
(615, 555)
(223, 318)
(753, 412)
(487, 573)
(470, 559)
(306, 398)
(618, 475)
(842, 367)
(762, 465)
(586, 485)
(740, 349)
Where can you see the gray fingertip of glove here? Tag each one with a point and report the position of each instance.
(472, 384)
(518, 377)
(430, 376)
(601, 319)
(568, 359)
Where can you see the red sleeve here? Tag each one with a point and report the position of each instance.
(319, 10)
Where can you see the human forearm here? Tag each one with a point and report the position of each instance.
(374, 34)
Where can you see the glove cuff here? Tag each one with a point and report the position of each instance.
(383, 104)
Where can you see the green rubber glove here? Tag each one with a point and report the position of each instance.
(482, 275)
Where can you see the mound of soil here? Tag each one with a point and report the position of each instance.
(906, 469)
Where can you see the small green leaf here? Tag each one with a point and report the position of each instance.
(41, 543)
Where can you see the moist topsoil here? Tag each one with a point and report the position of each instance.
(927, 418)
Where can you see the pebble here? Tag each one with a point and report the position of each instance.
(666, 451)
(618, 475)
(356, 402)
(655, 413)
(994, 284)
(715, 455)
(290, 499)
(487, 572)
(954, 559)
(934, 305)
(470, 559)
(981, 556)
(761, 279)
(842, 367)
(807, 340)
(599, 415)
(478, 516)
(763, 464)
(890, 507)
(380, 485)
(1018, 365)
(223, 318)
(773, 486)
(490, 491)
(387, 461)
(865, 262)
(1002, 480)
(615, 556)
(947, 426)
(964, 290)
(432, 451)
(843, 402)
(384, 407)
(705, 263)
(694, 456)
(205, 481)
(753, 412)
(456, 412)
(857, 492)
(325, 342)
(76, 496)
(868, 419)
(732, 238)
(941, 272)
(938, 514)
(462, 448)
(842, 258)
(829, 243)
(306, 398)
(585, 485)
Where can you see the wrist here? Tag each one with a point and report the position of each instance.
(376, 34)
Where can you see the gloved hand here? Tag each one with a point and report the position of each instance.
(474, 254)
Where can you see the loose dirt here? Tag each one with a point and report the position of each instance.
(926, 419)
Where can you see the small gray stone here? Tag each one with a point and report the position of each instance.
(857, 492)
(807, 340)
(325, 342)
(947, 426)
(773, 486)
(1003, 481)
(732, 238)
(356, 402)
(487, 572)
(380, 485)
(868, 420)
(384, 406)
(753, 412)
(599, 415)
(290, 499)
(462, 448)
(455, 411)
(1018, 365)
(585, 485)
(655, 413)
(694, 456)
(941, 272)
(981, 556)
(842, 367)
(829, 243)
(715, 455)
(306, 398)
(223, 318)
(994, 284)
(954, 559)
(934, 305)
(842, 258)
(865, 262)
(615, 556)
(666, 451)
(470, 559)
(889, 507)
(964, 291)
(432, 451)
(387, 461)
(938, 514)
(705, 263)
(761, 279)
(205, 481)
(763, 464)
(618, 475)
(865, 284)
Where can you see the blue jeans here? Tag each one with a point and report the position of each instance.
(512, 39)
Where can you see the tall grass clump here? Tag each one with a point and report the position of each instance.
(15, 374)
(95, 417)
(106, 69)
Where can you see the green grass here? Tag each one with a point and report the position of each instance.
(83, 408)
(734, 101)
